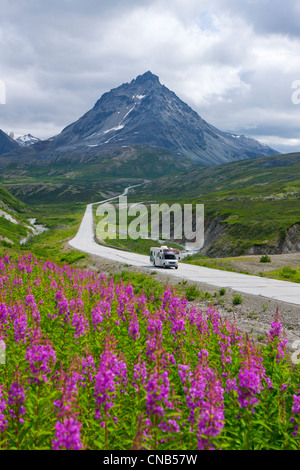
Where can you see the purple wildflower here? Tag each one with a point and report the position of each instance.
(133, 329)
(277, 339)
(67, 401)
(139, 375)
(40, 358)
(3, 421)
(67, 435)
(111, 375)
(16, 398)
(249, 386)
(206, 403)
(158, 388)
(80, 324)
(295, 411)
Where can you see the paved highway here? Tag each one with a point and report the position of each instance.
(274, 289)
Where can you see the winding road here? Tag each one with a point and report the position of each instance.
(270, 288)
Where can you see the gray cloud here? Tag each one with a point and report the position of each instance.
(234, 62)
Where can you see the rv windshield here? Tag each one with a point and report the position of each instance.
(167, 256)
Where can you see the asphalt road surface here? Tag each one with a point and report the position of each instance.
(271, 288)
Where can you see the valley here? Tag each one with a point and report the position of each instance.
(149, 229)
(133, 137)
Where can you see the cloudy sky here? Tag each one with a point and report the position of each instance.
(235, 62)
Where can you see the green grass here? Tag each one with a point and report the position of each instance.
(287, 273)
(254, 201)
(62, 222)
(13, 203)
(222, 264)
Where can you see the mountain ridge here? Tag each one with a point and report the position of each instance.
(7, 144)
(144, 112)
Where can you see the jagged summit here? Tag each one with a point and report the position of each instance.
(145, 112)
(147, 76)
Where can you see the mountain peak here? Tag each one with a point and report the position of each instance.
(146, 113)
(145, 77)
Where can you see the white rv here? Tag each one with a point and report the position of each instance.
(164, 257)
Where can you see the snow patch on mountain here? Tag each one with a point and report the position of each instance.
(26, 140)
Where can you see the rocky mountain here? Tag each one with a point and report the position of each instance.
(26, 140)
(144, 112)
(7, 144)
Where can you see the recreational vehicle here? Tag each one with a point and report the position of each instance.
(164, 257)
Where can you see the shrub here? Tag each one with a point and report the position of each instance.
(192, 292)
(237, 299)
(265, 259)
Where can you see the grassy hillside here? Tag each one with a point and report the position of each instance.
(13, 218)
(252, 203)
(70, 178)
(251, 206)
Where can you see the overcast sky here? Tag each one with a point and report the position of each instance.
(232, 61)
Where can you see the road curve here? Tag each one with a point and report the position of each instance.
(271, 288)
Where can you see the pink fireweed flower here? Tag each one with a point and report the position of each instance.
(295, 411)
(249, 386)
(205, 401)
(3, 314)
(97, 317)
(61, 308)
(16, 398)
(296, 404)
(81, 325)
(67, 435)
(33, 308)
(154, 338)
(158, 389)
(139, 375)
(3, 420)
(276, 338)
(67, 402)
(20, 327)
(133, 329)
(185, 375)
(41, 357)
(88, 370)
(211, 416)
(111, 376)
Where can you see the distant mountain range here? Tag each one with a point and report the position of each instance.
(26, 140)
(135, 116)
(144, 112)
(9, 143)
